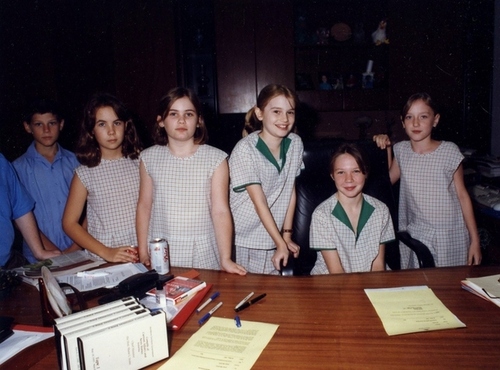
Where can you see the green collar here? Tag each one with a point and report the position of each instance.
(263, 148)
(366, 211)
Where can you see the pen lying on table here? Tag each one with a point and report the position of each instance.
(209, 314)
(215, 295)
(244, 300)
(249, 302)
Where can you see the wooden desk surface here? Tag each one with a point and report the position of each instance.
(326, 321)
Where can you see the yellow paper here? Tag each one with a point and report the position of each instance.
(219, 344)
(411, 309)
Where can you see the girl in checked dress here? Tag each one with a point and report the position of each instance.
(434, 206)
(184, 189)
(263, 167)
(107, 182)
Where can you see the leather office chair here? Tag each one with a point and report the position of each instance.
(314, 185)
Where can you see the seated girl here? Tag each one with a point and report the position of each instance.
(350, 228)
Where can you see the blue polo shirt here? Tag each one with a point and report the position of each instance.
(48, 184)
(15, 202)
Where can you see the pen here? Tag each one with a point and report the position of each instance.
(237, 321)
(244, 300)
(250, 302)
(209, 313)
(92, 274)
(215, 295)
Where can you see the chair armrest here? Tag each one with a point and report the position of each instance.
(288, 269)
(423, 253)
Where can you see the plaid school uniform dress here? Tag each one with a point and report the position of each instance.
(182, 204)
(332, 230)
(251, 162)
(113, 191)
(429, 208)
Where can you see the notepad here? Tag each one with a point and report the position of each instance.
(411, 309)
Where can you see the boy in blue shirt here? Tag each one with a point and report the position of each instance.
(46, 170)
(16, 205)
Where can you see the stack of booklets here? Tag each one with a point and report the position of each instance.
(122, 334)
(486, 287)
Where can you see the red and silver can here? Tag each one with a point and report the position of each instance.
(159, 254)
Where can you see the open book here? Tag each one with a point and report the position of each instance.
(64, 264)
(486, 287)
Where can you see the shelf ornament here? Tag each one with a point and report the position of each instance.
(379, 36)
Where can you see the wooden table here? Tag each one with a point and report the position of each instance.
(326, 322)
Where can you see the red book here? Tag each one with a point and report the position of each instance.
(189, 308)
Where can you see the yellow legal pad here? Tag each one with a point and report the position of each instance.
(411, 309)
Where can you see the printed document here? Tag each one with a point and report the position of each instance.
(411, 309)
(219, 344)
(106, 277)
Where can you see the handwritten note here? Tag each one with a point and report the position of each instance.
(411, 309)
(219, 344)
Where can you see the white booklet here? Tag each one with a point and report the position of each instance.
(23, 337)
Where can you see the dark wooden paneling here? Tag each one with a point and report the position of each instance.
(145, 55)
(274, 46)
(427, 55)
(235, 49)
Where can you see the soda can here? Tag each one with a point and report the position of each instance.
(159, 254)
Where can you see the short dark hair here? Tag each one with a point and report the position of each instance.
(160, 135)
(42, 106)
(356, 152)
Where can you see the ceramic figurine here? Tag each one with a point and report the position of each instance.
(379, 36)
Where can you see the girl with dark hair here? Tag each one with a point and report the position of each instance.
(107, 182)
(184, 189)
(350, 228)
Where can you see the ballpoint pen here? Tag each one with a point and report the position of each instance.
(244, 300)
(215, 295)
(250, 302)
(92, 274)
(209, 313)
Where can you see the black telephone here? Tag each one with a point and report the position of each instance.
(136, 285)
(141, 282)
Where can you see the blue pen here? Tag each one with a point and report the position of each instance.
(237, 321)
(209, 313)
(215, 295)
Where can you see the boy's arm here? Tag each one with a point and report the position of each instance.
(221, 218)
(474, 256)
(29, 229)
(261, 207)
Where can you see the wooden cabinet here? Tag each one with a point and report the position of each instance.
(254, 48)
